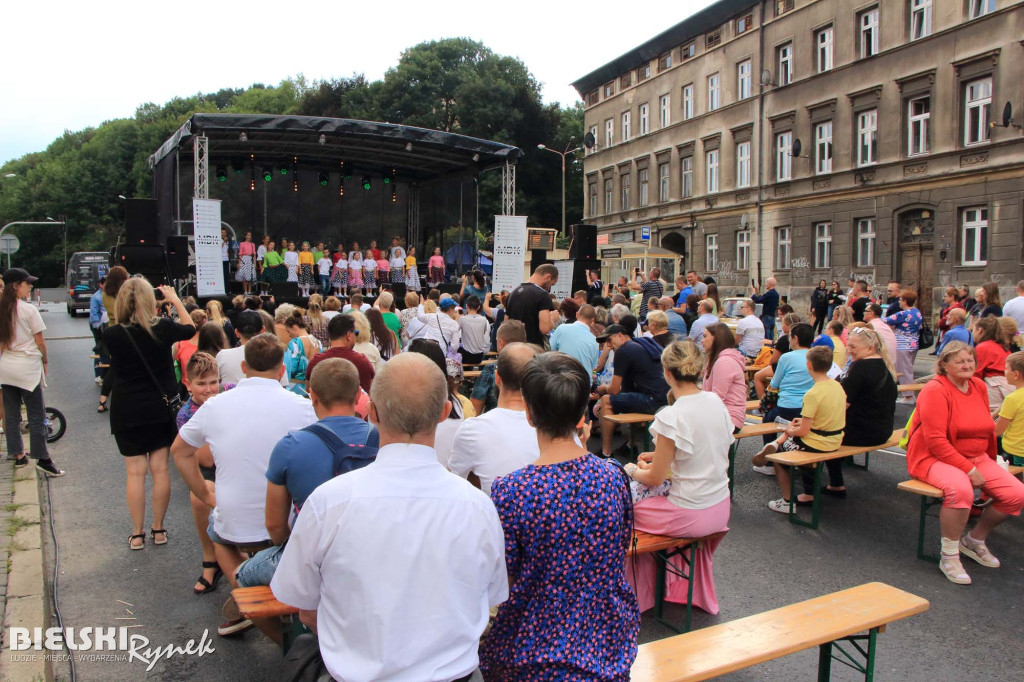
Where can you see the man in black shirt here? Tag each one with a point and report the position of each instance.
(530, 303)
(859, 300)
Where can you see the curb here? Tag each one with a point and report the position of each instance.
(26, 584)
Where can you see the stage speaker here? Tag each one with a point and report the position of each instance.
(584, 242)
(149, 260)
(450, 287)
(283, 290)
(177, 256)
(538, 257)
(140, 226)
(398, 290)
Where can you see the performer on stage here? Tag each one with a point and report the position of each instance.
(274, 269)
(246, 262)
(369, 273)
(397, 263)
(324, 265)
(383, 269)
(435, 268)
(261, 252)
(339, 276)
(306, 263)
(291, 261)
(355, 267)
(374, 249)
(412, 272)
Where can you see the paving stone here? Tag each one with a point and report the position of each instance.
(26, 576)
(28, 538)
(26, 492)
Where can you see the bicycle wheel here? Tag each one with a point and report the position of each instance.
(55, 424)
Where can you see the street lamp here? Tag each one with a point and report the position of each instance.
(569, 149)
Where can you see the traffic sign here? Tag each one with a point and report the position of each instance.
(9, 244)
(645, 233)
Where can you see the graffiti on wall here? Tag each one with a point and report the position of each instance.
(800, 270)
(725, 272)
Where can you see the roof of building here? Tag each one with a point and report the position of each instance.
(696, 24)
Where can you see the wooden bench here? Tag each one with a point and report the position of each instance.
(932, 497)
(260, 602)
(638, 437)
(799, 458)
(747, 431)
(852, 616)
(664, 547)
(910, 388)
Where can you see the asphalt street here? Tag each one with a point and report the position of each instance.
(765, 562)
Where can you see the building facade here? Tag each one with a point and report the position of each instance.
(819, 139)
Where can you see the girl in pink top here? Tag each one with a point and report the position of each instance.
(383, 268)
(435, 268)
(724, 375)
(246, 262)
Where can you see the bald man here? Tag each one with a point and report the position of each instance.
(706, 317)
(676, 323)
(769, 301)
(400, 526)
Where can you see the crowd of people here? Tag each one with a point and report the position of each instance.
(346, 494)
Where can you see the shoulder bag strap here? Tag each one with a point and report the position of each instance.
(440, 328)
(156, 382)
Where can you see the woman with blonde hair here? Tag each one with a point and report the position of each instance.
(844, 315)
(364, 343)
(215, 313)
(116, 278)
(142, 416)
(316, 320)
(407, 315)
(692, 439)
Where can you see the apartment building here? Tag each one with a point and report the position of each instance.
(818, 139)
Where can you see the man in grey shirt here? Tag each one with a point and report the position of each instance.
(706, 317)
(696, 284)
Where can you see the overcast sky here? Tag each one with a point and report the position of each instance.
(69, 65)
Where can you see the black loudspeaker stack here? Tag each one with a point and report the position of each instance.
(584, 242)
(149, 260)
(140, 224)
(538, 257)
(177, 256)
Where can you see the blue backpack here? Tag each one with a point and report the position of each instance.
(347, 456)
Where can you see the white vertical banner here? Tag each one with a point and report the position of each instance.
(562, 289)
(509, 252)
(209, 268)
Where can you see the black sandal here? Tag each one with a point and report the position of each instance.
(102, 407)
(133, 537)
(207, 585)
(154, 531)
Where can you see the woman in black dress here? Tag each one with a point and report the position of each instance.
(819, 307)
(141, 419)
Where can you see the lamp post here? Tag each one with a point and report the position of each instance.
(569, 149)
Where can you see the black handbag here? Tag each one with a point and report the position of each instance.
(173, 402)
(925, 337)
(303, 662)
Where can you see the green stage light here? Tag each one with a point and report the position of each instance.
(322, 178)
(267, 174)
(222, 174)
(366, 182)
(284, 170)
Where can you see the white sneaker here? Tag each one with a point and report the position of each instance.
(767, 470)
(780, 505)
(98, 380)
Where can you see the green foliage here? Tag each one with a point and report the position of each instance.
(457, 85)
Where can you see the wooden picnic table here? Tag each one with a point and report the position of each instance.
(748, 431)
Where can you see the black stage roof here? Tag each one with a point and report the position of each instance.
(701, 22)
(415, 154)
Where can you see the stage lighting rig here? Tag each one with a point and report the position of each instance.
(323, 178)
(341, 186)
(366, 183)
(222, 174)
(268, 174)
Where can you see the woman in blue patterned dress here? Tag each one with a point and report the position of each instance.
(906, 325)
(567, 521)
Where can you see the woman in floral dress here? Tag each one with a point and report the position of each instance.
(567, 521)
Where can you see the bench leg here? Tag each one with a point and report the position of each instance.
(852, 461)
(815, 506)
(825, 662)
(826, 655)
(291, 628)
(662, 567)
(732, 464)
(926, 504)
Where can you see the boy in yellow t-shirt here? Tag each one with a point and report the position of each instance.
(819, 428)
(1011, 415)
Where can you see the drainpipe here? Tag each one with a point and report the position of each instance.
(760, 139)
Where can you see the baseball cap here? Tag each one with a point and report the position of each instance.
(613, 329)
(448, 304)
(15, 275)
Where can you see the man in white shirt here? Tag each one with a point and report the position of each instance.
(873, 317)
(396, 565)
(500, 441)
(1015, 307)
(749, 330)
(356, 304)
(241, 445)
(229, 361)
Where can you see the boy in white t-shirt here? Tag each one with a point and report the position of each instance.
(324, 272)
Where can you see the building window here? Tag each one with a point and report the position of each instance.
(624, 185)
(920, 19)
(642, 187)
(743, 164)
(712, 170)
(686, 173)
(977, 103)
(824, 46)
(783, 248)
(712, 39)
(867, 137)
(711, 252)
(592, 195)
(783, 6)
(868, 23)
(643, 73)
(609, 89)
(625, 126)
(823, 245)
(687, 51)
(609, 195)
(665, 61)
(609, 133)
(744, 24)
(743, 250)
(823, 148)
(744, 82)
(688, 102)
(665, 110)
(623, 237)
(626, 80)
(645, 119)
(714, 91)
(974, 236)
(663, 182)
(783, 156)
(979, 8)
(918, 116)
(593, 131)
(785, 60)
(591, 98)
(866, 243)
